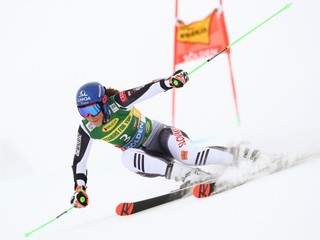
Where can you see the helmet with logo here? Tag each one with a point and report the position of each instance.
(92, 93)
(89, 93)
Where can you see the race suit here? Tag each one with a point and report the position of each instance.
(126, 127)
(148, 146)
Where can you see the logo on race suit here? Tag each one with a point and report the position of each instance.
(130, 92)
(118, 131)
(90, 126)
(114, 107)
(179, 137)
(110, 125)
(123, 96)
(184, 155)
(148, 127)
(138, 88)
(137, 138)
(78, 146)
(83, 96)
(135, 123)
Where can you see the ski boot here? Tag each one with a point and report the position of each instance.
(241, 152)
(189, 176)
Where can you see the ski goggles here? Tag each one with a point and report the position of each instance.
(92, 109)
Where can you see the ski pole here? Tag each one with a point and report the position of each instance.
(27, 234)
(288, 5)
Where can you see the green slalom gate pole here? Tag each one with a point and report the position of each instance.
(27, 234)
(288, 5)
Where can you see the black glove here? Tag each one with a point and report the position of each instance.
(179, 78)
(80, 198)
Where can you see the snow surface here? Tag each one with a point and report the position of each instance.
(49, 48)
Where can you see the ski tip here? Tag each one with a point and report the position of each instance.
(124, 209)
(202, 190)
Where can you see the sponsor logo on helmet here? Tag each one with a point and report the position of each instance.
(83, 96)
(100, 91)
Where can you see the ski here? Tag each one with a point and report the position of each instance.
(216, 186)
(129, 208)
(275, 163)
(204, 190)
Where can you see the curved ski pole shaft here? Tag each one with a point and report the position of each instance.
(27, 234)
(288, 5)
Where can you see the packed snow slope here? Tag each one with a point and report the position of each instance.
(49, 48)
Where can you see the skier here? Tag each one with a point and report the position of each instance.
(150, 148)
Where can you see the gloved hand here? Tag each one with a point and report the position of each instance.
(80, 198)
(179, 78)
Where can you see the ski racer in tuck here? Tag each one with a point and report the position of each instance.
(150, 148)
